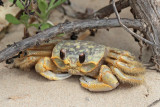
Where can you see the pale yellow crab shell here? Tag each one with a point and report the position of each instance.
(93, 55)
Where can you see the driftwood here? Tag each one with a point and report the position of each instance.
(147, 21)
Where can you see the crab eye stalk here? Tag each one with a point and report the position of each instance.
(62, 53)
(81, 57)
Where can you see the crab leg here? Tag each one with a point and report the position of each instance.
(126, 67)
(136, 79)
(106, 81)
(48, 46)
(30, 57)
(124, 60)
(118, 51)
(46, 68)
(42, 53)
(26, 62)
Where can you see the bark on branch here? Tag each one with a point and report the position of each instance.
(101, 13)
(148, 11)
(67, 28)
(108, 10)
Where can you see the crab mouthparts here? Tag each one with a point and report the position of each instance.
(74, 72)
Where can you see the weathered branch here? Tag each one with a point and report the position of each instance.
(128, 30)
(101, 13)
(108, 10)
(148, 10)
(66, 28)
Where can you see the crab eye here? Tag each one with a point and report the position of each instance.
(62, 53)
(81, 57)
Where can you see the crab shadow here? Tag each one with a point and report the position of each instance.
(122, 86)
(32, 74)
(74, 79)
(36, 76)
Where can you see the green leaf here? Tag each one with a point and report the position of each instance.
(19, 4)
(34, 25)
(42, 5)
(11, 19)
(59, 2)
(45, 26)
(24, 18)
(51, 3)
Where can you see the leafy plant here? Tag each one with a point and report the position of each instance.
(41, 14)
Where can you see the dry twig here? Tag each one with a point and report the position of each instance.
(148, 10)
(108, 10)
(101, 13)
(154, 103)
(18, 97)
(66, 28)
(128, 30)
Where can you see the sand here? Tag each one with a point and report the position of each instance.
(28, 89)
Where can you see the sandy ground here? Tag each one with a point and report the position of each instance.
(28, 89)
(6, 9)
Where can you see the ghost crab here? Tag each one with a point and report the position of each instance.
(101, 67)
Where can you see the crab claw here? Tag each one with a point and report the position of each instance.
(46, 68)
(53, 76)
(94, 84)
